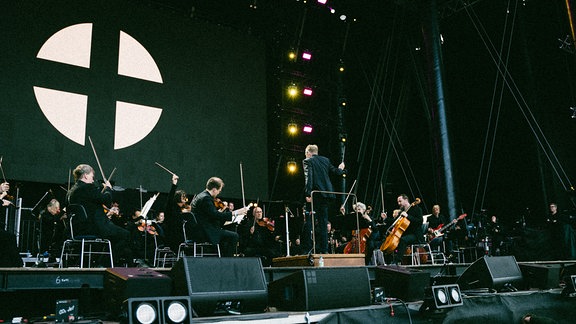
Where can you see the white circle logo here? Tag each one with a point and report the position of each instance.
(67, 111)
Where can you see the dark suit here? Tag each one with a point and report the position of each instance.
(317, 170)
(413, 233)
(97, 223)
(210, 222)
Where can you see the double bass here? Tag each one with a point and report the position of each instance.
(396, 230)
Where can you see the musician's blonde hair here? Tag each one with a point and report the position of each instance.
(312, 149)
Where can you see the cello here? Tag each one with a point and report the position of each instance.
(396, 230)
(359, 238)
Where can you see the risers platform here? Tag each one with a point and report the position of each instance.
(313, 260)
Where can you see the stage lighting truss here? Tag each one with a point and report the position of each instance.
(158, 310)
(446, 296)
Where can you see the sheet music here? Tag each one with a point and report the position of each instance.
(148, 205)
(236, 220)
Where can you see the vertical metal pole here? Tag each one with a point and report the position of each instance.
(437, 90)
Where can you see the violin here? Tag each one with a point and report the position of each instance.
(220, 205)
(265, 222)
(147, 228)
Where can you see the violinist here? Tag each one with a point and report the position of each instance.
(9, 253)
(176, 214)
(210, 219)
(84, 192)
(4, 187)
(262, 242)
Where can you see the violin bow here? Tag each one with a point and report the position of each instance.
(349, 193)
(165, 169)
(69, 176)
(242, 184)
(382, 196)
(97, 160)
(1, 168)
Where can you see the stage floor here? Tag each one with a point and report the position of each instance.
(32, 293)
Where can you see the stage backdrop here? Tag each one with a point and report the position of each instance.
(145, 84)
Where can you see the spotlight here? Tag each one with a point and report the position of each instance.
(291, 166)
(442, 297)
(322, 1)
(306, 56)
(343, 17)
(293, 91)
(332, 10)
(307, 128)
(152, 310)
(292, 55)
(307, 91)
(292, 129)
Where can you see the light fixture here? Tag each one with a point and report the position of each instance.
(292, 128)
(442, 297)
(306, 56)
(307, 128)
(343, 138)
(293, 90)
(307, 91)
(291, 166)
(343, 17)
(153, 310)
(322, 1)
(292, 55)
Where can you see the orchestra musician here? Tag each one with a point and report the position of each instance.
(261, 240)
(210, 220)
(413, 233)
(84, 192)
(176, 215)
(436, 221)
(52, 230)
(9, 254)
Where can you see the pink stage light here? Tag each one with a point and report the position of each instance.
(306, 56)
(307, 91)
(307, 129)
(322, 1)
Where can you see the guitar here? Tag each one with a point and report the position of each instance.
(439, 231)
(396, 230)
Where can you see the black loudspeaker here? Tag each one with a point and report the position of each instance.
(221, 285)
(321, 288)
(495, 272)
(400, 282)
(123, 283)
(543, 276)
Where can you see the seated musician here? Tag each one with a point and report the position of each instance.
(436, 222)
(413, 233)
(210, 219)
(261, 240)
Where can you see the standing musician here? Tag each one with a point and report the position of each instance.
(413, 233)
(9, 253)
(317, 170)
(92, 197)
(210, 220)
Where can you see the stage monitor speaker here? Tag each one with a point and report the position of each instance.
(403, 283)
(321, 288)
(496, 272)
(542, 276)
(123, 283)
(219, 286)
